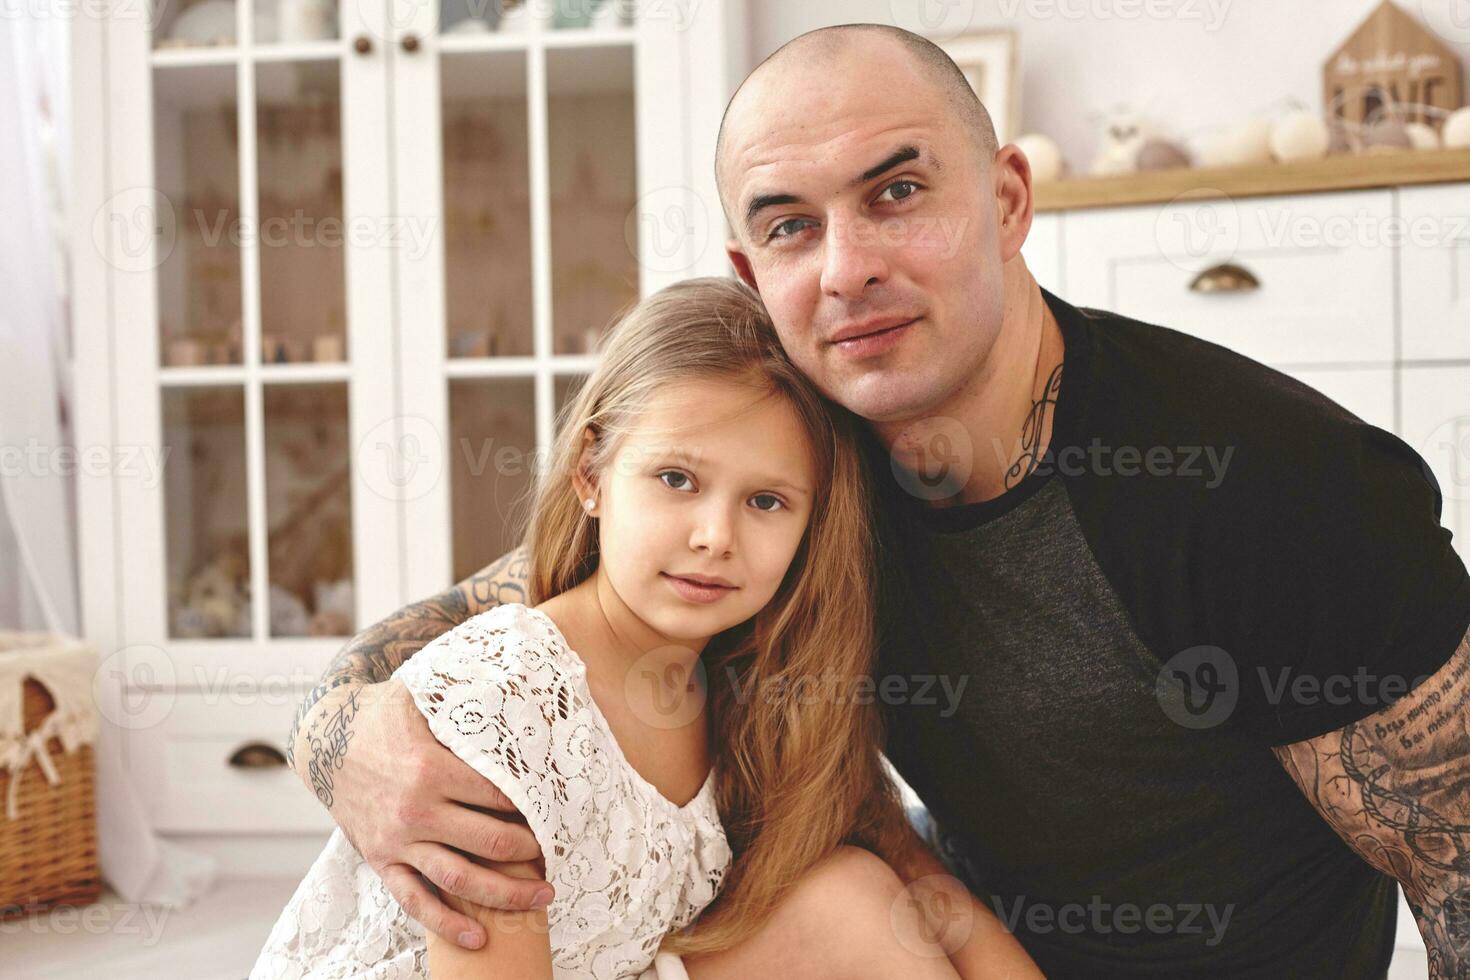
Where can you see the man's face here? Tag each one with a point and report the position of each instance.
(859, 203)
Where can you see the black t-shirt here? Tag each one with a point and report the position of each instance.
(1084, 676)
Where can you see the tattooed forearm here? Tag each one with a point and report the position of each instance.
(1396, 787)
(328, 748)
(373, 655)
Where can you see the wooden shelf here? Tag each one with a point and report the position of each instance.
(1334, 173)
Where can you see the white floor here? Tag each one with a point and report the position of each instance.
(216, 939)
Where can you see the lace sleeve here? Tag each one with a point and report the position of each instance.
(500, 695)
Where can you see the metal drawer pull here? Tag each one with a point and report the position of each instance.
(257, 755)
(362, 44)
(1225, 278)
(410, 43)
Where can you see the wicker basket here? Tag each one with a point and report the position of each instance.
(48, 848)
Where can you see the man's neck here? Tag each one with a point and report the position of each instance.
(1006, 410)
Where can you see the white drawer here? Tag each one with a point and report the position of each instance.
(1324, 263)
(180, 763)
(1436, 421)
(1366, 392)
(1043, 251)
(1436, 271)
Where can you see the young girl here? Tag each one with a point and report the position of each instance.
(678, 715)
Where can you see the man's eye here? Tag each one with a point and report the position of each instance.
(676, 475)
(901, 183)
(772, 497)
(777, 233)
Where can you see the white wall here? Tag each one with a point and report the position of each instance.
(1198, 64)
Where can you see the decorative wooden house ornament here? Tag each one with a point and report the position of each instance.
(1390, 60)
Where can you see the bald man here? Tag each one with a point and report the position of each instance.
(1173, 648)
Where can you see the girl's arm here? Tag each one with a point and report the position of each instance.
(518, 944)
(978, 943)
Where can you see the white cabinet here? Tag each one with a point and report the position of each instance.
(1366, 392)
(1435, 264)
(1043, 252)
(330, 294)
(1436, 422)
(1324, 274)
(1363, 295)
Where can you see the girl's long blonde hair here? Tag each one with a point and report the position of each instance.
(796, 745)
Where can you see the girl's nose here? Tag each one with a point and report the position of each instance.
(712, 530)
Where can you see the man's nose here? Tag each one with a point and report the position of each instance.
(855, 257)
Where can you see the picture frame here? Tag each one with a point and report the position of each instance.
(988, 60)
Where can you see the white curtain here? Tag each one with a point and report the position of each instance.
(38, 569)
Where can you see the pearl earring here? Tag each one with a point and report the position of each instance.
(589, 503)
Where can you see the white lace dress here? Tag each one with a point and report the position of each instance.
(508, 696)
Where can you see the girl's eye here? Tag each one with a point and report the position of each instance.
(769, 496)
(676, 475)
(901, 183)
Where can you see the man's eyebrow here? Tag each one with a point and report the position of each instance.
(901, 155)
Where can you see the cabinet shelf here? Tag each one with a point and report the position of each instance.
(1335, 173)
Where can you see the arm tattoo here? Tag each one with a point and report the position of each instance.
(1032, 429)
(373, 655)
(1396, 787)
(329, 747)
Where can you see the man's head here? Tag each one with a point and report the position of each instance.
(863, 186)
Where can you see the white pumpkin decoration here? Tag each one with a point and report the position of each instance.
(1422, 136)
(1300, 135)
(1043, 154)
(1456, 132)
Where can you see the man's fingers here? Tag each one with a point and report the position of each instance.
(465, 785)
(481, 835)
(455, 874)
(425, 908)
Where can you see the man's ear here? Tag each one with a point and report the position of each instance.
(581, 473)
(741, 262)
(1011, 173)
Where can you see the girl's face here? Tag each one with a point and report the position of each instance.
(716, 480)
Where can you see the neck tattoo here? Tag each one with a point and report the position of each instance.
(1032, 428)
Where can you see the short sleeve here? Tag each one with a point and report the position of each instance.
(1350, 591)
(498, 692)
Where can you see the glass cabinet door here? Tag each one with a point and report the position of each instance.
(542, 122)
(260, 368)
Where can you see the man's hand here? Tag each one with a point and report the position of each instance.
(410, 806)
(405, 801)
(1396, 787)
